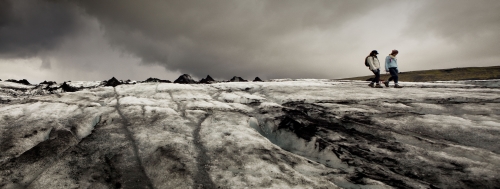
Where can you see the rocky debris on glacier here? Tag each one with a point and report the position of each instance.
(185, 79)
(282, 134)
(237, 79)
(207, 80)
(52, 87)
(156, 80)
(257, 79)
(67, 88)
(113, 82)
(48, 83)
(22, 81)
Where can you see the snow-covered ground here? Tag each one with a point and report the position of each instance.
(280, 134)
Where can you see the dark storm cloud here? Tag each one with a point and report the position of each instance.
(472, 26)
(248, 38)
(223, 38)
(28, 27)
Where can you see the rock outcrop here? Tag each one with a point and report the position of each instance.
(48, 83)
(156, 80)
(113, 82)
(185, 79)
(22, 81)
(207, 80)
(257, 79)
(68, 88)
(237, 79)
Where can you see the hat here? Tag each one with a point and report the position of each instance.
(375, 51)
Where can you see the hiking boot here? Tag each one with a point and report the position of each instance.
(386, 83)
(397, 86)
(378, 86)
(371, 84)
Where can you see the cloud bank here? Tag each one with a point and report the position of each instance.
(226, 38)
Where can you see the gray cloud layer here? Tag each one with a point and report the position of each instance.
(224, 38)
(270, 39)
(29, 27)
(474, 26)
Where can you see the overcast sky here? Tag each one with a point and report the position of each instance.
(96, 39)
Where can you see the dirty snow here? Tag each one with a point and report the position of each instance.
(286, 133)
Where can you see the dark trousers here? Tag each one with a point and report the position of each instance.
(377, 76)
(394, 75)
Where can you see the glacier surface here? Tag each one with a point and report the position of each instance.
(306, 133)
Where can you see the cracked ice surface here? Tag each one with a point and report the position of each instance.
(282, 134)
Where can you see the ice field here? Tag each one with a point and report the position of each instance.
(285, 133)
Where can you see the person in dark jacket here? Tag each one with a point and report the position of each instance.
(374, 66)
(391, 66)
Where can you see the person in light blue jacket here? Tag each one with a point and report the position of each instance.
(391, 66)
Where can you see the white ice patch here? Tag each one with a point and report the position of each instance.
(190, 95)
(239, 97)
(428, 106)
(12, 85)
(130, 100)
(86, 128)
(165, 87)
(142, 90)
(269, 105)
(207, 105)
(84, 84)
(237, 86)
(241, 107)
(491, 124)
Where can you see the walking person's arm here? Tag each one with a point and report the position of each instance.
(371, 63)
(387, 61)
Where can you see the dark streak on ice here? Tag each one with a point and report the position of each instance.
(142, 178)
(360, 135)
(202, 178)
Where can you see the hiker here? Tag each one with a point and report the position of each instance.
(391, 66)
(374, 66)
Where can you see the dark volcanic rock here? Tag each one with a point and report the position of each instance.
(48, 83)
(153, 80)
(185, 79)
(113, 82)
(22, 81)
(257, 79)
(207, 80)
(237, 79)
(67, 88)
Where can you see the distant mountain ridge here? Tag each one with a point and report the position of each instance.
(467, 73)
